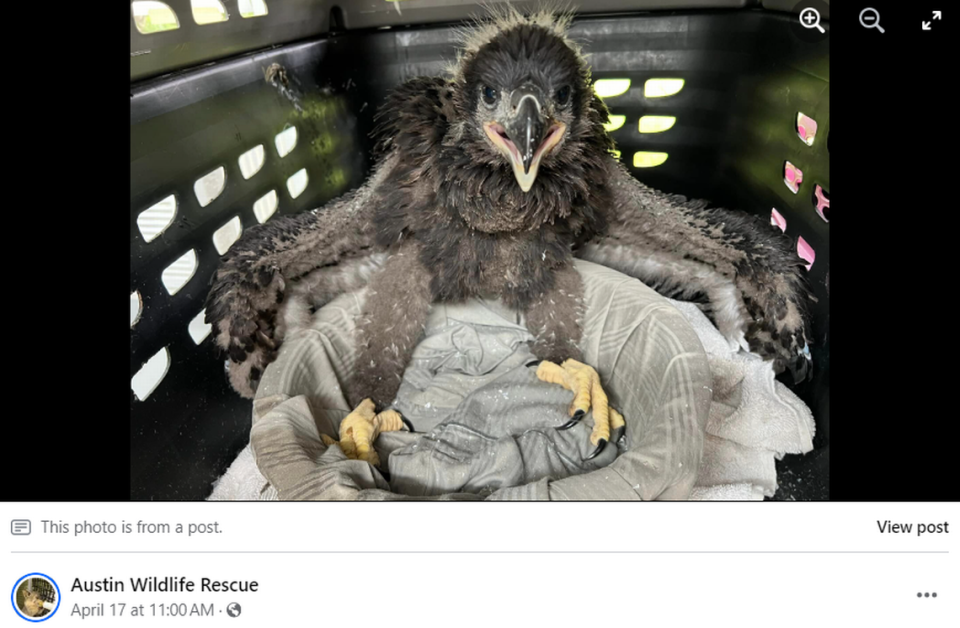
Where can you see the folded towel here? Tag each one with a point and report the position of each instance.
(753, 418)
(484, 421)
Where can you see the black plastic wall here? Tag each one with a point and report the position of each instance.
(153, 54)
(746, 78)
(193, 424)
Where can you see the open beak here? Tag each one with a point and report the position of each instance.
(526, 137)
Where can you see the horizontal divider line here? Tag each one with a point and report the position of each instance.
(483, 552)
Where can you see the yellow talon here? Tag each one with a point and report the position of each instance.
(360, 428)
(588, 394)
(388, 421)
(616, 420)
(552, 374)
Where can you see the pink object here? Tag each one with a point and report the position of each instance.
(806, 128)
(777, 220)
(823, 203)
(806, 252)
(792, 176)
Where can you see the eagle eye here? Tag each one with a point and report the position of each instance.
(490, 95)
(563, 95)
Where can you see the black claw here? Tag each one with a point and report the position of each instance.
(600, 446)
(534, 363)
(406, 422)
(573, 421)
(617, 435)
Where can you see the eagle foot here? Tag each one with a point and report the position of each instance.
(362, 426)
(588, 394)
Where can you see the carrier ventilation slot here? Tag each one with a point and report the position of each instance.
(251, 161)
(136, 307)
(150, 374)
(265, 206)
(198, 329)
(656, 124)
(297, 183)
(208, 11)
(176, 275)
(210, 186)
(648, 159)
(662, 87)
(792, 176)
(154, 220)
(777, 220)
(615, 123)
(608, 88)
(806, 252)
(150, 16)
(286, 140)
(806, 128)
(252, 8)
(225, 236)
(821, 202)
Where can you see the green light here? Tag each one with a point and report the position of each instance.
(656, 124)
(616, 154)
(615, 123)
(252, 8)
(658, 88)
(607, 88)
(337, 177)
(153, 17)
(646, 159)
(208, 11)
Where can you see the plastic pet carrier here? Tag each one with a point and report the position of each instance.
(243, 111)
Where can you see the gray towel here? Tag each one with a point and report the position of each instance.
(487, 422)
(752, 419)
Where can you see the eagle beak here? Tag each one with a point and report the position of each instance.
(523, 140)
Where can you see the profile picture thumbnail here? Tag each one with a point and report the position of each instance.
(36, 597)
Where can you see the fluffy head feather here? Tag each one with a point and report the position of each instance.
(510, 52)
(457, 192)
(501, 18)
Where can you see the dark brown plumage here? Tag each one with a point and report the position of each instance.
(488, 185)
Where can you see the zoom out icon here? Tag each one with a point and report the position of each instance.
(870, 18)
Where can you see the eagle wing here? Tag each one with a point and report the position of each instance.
(746, 268)
(322, 253)
(248, 289)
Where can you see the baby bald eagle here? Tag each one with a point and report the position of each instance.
(489, 184)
